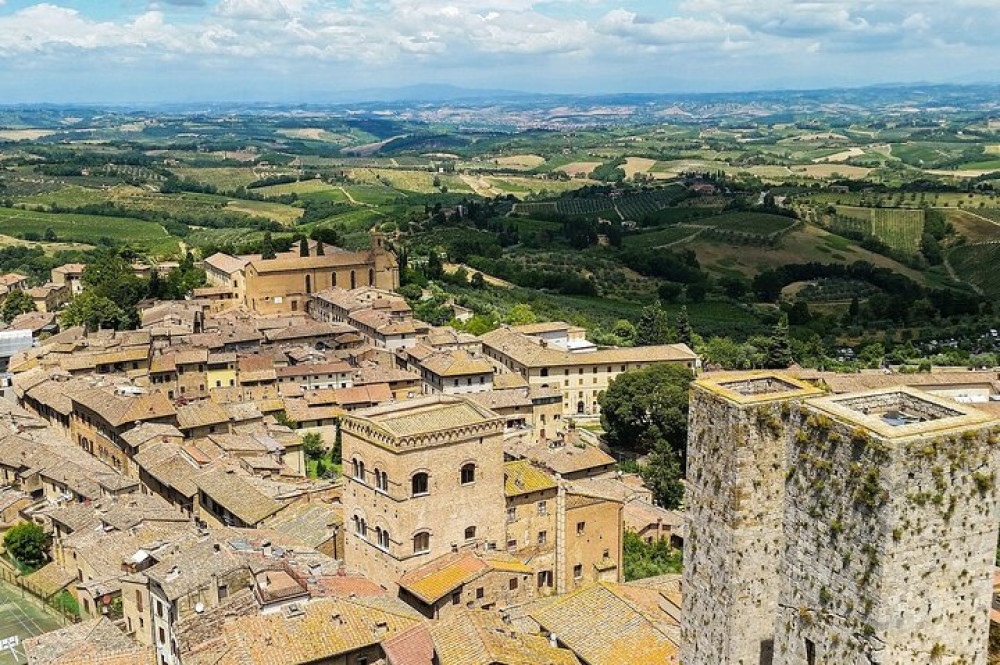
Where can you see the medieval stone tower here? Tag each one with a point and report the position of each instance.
(853, 529)
(738, 437)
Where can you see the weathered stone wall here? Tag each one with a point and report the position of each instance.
(888, 547)
(735, 498)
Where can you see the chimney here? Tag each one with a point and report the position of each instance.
(266, 547)
(553, 642)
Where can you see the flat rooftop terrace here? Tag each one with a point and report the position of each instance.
(902, 412)
(757, 387)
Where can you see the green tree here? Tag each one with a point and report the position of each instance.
(95, 312)
(646, 410)
(312, 445)
(320, 249)
(653, 326)
(17, 302)
(625, 331)
(521, 314)
(663, 475)
(111, 276)
(28, 543)
(435, 268)
(303, 247)
(50, 235)
(642, 559)
(684, 331)
(779, 351)
(267, 247)
(477, 281)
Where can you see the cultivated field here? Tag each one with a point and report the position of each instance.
(579, 169)
(526, 162)
(900, 229)
(87, 229)
(978, 265)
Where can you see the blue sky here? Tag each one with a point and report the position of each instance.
(308, 50)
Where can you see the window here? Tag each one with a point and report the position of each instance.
(810, 652)
(381, 480)
(383, 540)
(419, 484)
(309, 284)
(543, 508)
(545, 371)
(543, 537)
(138, 600)
(580, 527)
(162, 637)
(333, 279)
(480, 592)
(512, 585)
(159, 609)
(470, 532)
(469, 474)
(544, 578)
(578, 571)
(354, 280)
(456, 597)
(371, 277)
(422, 543)
(512, 544)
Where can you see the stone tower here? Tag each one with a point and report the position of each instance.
(740, 431)
(855, 529)
(890, 532)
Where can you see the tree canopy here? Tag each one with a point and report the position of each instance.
(28, 543)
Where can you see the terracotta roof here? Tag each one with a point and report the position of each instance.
(95, 641)
(226, 263)
(438, 578)
(334, 259)
(505, 380)
(568, 457)
(410, 647)
(478, 637)
(147, 432)
(256, 368)
(429, 414)
(311, 369)
(530, 353)
(309, 632)
(201, 414)
(523, 477)
(604, 626)
(120, 409)
(502, 399)
(236, 495)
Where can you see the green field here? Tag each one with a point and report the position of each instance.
(754, 223)
(301, 187)
(900, 229)
(225, 178)
(660, 237)
(88, 228)
(977, 265)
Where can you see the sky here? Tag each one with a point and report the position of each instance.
(152, 51)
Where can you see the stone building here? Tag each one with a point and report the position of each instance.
(551, 356)
(857, 528)
(423, 478)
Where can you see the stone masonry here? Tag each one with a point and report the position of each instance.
(856, 529)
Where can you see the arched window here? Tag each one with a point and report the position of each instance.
(309, 284)
(371, 277)
(359, 470)
(378, 536)
(470, 532)
(333, 278)
(468, 474)
(354, 280)
(364, 529)
(354, 468)
(421, 543)
(419, 484)
(383, 540)
(357, 524)
(381, 481)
